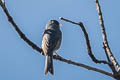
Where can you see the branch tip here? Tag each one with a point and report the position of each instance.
(60, 18)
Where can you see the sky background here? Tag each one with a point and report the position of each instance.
(18, 61)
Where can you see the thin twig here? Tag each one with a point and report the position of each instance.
(105, 41)
(57, 57)
(87, 41)
(106, 45)
(22, 35)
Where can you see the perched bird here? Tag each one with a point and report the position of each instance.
(50, 43)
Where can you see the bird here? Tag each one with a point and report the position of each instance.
(51, 41)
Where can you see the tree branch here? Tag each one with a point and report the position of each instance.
(111, 65)
(87, 41)
(57, 57)
(106, 47)
(22, 35)
(105, 42)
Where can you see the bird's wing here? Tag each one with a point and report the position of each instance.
(50, 41)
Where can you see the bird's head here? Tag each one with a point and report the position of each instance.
(55, 22)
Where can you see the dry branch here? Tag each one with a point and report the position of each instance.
(106, 47)
(22, 35)
(57, 57)
(105, 41)
(90, 53)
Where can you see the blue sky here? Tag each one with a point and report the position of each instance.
(18, 61)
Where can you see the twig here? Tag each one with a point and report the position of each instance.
(107, 49)
(87, 41)
(57, 57)
(22, 35)
(105, 41)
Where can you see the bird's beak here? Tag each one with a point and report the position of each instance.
(60, 25)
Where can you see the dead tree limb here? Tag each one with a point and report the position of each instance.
(57, 57)
(90, 53)
(106, 47)
(105, 41)
(22, 35)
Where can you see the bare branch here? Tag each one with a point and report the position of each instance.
(57, 57)
(111, 65)
(22, 35)
(87, 41)
(105, 41)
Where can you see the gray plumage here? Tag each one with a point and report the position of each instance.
(50, 43)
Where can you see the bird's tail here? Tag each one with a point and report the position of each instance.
(49, 65)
